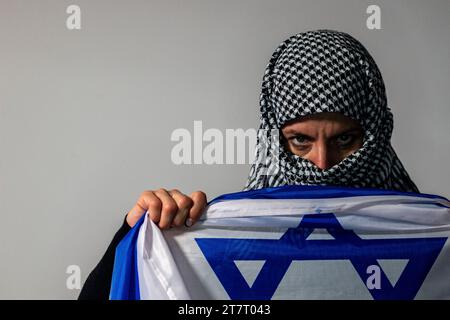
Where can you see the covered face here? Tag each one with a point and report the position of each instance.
(325, 71)
(324, 138)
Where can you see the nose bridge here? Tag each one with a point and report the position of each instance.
(322, 155)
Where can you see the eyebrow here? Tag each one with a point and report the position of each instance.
(297, 133)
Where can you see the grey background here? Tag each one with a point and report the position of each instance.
(86, 116)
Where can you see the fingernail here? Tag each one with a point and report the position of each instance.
(189, 222)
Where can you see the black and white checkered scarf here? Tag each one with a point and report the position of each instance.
(326, 71)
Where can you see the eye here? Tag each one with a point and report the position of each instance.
(345, 139)
(299, 140)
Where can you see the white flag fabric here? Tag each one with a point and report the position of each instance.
(294, 242)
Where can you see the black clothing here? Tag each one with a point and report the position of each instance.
(98, 283)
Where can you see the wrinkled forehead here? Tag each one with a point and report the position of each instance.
(320, 73)
(334, 120)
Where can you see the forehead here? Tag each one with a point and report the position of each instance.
(334, 121)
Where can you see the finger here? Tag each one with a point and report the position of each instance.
(134, 215)
(152, 205)
(169, 208)
(184, 204)
(147, 202)
(197, 209)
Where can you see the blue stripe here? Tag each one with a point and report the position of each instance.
(125, 277)
(315, 192)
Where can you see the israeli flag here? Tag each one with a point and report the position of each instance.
(294, 242)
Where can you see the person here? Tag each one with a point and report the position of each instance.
(324, 94)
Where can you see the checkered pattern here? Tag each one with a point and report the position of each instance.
(326, 71)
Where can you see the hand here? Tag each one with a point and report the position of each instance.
(168, 208)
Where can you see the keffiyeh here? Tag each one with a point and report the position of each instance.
(326, 71)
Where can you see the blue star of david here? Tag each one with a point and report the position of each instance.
(293, 246)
